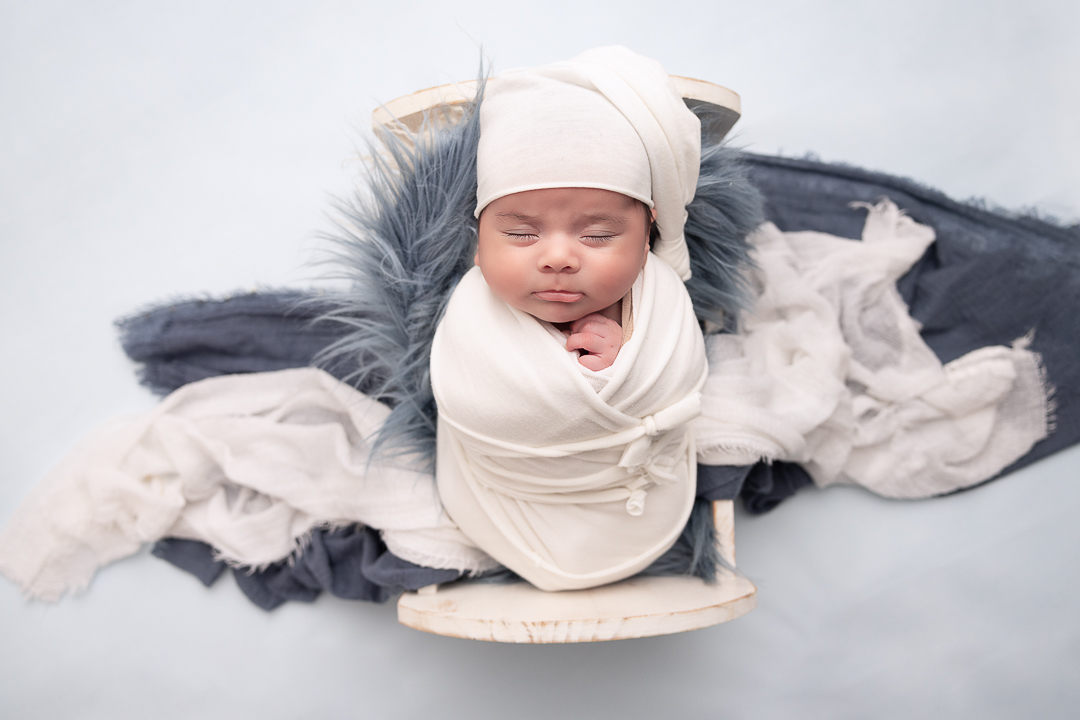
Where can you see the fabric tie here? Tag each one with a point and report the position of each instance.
(659, 470)
(671, 417)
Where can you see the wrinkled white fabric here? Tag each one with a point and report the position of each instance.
(830, 372)
(247, 463)
(608, 119)
(568, 485)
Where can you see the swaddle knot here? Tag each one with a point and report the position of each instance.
(662, 421)
(657, 469)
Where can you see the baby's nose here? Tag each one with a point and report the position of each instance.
(559, 256)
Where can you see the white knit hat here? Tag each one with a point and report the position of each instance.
(608, 119)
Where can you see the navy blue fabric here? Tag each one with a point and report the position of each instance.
(721, 482)
(188, 340)
(769, 484)
(761, 486)
(193, 556)
(350, 562)
(989, 279)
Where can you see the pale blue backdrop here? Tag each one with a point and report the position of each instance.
(152, 150)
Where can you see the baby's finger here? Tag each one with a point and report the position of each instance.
(594, 322)
(591, 342)
(594, 362)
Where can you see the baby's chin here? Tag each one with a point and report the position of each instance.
(563, 314)
(555, 313)
(560, 318)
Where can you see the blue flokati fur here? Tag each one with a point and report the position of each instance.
(695, 552)
(725, 209)
(406, 244)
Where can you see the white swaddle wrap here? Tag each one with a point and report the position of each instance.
(568, 486)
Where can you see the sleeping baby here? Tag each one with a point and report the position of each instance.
(569, 360)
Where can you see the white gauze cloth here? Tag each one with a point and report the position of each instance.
(567, 485)
(608, 119)
(247, 463)
(830, 372)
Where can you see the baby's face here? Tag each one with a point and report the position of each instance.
(560, 254)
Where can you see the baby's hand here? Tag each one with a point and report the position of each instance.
(601, 337)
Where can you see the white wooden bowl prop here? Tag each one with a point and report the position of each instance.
(636, 607)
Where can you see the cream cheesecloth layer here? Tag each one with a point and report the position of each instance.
(247, 463)
(608, 119)
(830, 371)
(567, 485)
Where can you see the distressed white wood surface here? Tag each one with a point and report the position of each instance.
(723, 513)
(636, 607)
(407, 112)
(519, 613)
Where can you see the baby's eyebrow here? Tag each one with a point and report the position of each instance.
(605, 218)
(591, 219)
(517, 217)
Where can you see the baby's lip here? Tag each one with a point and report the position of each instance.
(559, 295)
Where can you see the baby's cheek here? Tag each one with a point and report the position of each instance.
(500, 279)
